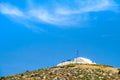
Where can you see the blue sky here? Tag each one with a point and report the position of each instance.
(42, 33)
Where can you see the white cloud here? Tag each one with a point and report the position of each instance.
(43, 15)
(10, 10)
(70, 12)
(85, 6)
(61, 13)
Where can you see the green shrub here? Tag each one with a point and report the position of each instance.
(2, 78)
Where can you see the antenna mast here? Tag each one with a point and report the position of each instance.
(77, 53)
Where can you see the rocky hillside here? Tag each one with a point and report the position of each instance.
(70, 72)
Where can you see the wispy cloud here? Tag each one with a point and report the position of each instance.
(58, 12)
(87, 6)
(69, 13)
(10, 10)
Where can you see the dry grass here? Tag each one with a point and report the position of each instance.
(70, 72)
(104, 68)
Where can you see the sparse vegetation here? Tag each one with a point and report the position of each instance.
(2, 78)
(70, 72)
(119, 71)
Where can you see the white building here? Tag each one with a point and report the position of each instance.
(79, 60)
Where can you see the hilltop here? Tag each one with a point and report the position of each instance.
(70, 72)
